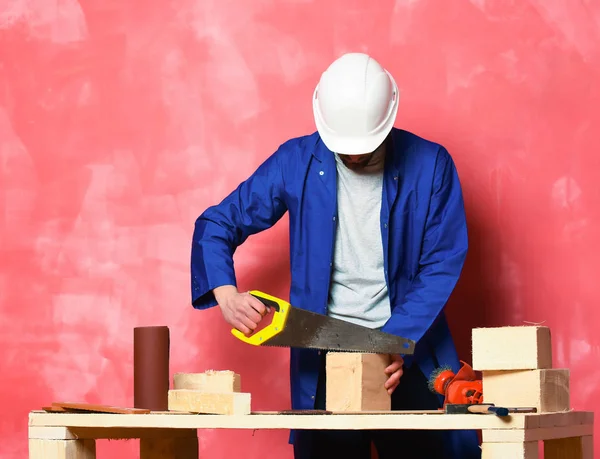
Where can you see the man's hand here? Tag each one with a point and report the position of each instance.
(395, 371)
(240, 310)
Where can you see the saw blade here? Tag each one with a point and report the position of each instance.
(306, 329)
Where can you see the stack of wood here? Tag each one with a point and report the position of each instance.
(516, 367)
(210, 392)
(517, 371)
(516, 364)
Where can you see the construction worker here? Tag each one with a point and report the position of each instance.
(377, 237)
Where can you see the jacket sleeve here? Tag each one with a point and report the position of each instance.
(443, 252)
(255, 205)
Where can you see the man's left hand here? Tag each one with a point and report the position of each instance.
(395, 372)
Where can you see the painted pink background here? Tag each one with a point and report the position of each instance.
(120, 121)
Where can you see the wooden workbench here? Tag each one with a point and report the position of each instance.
(567, 435)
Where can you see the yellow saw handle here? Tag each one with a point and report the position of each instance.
(281, 308)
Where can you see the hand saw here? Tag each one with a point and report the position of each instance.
(299, 328)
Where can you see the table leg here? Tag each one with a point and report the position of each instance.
(512, 450)
(40, 448)
(170, 447)
(569, 448)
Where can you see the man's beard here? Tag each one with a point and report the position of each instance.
(356, 165)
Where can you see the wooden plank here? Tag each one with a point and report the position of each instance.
(308, 412)
(105, 433)
(570, 448)
(77, 406)
(393, 420)
(212, 381)
(547, 390)
(527, 450)
(511, 348)
(62, 449)
(192, 401)
(565, 418)
(169, 448)
(355, 382)
(506, 435)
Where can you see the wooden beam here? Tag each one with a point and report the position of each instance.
(355, 382)
(62, 449)
(511, 348)
(564, 418)
(106, 433)
(527, 450)
(393, 420)
(212, 381)
(547, 390)
(570, 448)
(216, 403)
(516, 435)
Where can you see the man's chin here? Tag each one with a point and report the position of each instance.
(356, 166)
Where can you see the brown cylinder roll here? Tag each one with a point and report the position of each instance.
(151, 368)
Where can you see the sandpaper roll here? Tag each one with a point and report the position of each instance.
(151, 368)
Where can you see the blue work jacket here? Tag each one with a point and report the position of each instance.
(424, 236)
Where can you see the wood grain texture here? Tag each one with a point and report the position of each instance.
(209, 381)
(512, 348)
(525, 450)
(393, 419)
(96, 408)
(547, 390)
(570, 448)
(62, 449)
(106, 433)
(355, 382)
(536, 434)
(210, 403)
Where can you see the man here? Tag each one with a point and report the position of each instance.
(377, 237)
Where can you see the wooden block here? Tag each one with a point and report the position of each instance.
(62, 449)
(355, 382)
(512, 348)
(525, 450)
(569, 448)
(204, 402)
(547, 390)
(212, 381)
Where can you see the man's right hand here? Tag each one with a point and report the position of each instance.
(240, 310)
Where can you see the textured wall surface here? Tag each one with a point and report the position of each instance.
(120, 121)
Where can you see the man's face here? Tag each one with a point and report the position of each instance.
(360, 162)
(356, 162)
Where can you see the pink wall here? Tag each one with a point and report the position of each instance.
(121, 121)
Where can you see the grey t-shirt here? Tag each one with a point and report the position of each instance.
(358, 291)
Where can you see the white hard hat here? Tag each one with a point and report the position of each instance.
(355, 104)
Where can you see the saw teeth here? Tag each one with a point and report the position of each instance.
(322, 349)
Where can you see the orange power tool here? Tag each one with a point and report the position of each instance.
(463, 392)
(460, 388)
